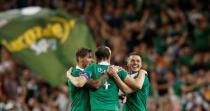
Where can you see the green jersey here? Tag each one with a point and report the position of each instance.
(106, 97)
(79, 96)
(137, 101)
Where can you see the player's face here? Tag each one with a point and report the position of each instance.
(134, 63)
(87, 59)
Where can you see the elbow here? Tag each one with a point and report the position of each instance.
(137, 87)
(79, 84)
(96, 86)
(127, 91)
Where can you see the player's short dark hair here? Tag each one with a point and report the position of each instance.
(102, 52)
(134, 53)
(82, 52)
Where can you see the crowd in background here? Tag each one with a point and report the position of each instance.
(173, 37)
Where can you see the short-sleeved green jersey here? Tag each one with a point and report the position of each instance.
(137, 101)
(106, 97)
(79, 96)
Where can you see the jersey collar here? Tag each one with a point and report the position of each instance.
(104, 63)
(77, 67)
(133, 75)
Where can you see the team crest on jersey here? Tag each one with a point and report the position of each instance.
(106, 85)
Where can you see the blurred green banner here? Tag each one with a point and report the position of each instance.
(45, 40)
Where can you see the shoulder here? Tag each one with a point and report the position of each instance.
(75, 71)
(122, 71)
(142, 71)
(92, 65)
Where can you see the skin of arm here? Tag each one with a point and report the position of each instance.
(98, 82)
(129, 84)
(123, 87)
(136, 83)
(81, 80)
(76, 81)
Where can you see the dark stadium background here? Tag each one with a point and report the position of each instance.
(173, 37)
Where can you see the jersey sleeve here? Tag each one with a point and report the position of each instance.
(69, 83)
(87, 73)
(123, 74)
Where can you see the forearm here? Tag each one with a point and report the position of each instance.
(140, 80)
(132, 83)
(98, 82)
(136, 83)
(92, 84)
(77, 81)
(124, 87)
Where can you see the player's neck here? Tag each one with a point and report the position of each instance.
(133, 72)
(80, 65)
(104, 62)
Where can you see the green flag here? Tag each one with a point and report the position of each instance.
(45, 40)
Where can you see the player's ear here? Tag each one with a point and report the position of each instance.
(127, 59)
(80, 59)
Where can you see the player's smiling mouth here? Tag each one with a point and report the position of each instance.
(135, 66)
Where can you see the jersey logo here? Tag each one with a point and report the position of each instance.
(106, 85)
(100, 70)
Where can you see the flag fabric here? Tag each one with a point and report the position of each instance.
(44, 40)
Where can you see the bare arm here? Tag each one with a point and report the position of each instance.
(136, 83)
(98, 82)
(76, 81)
(128, 85)
(123, 87)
